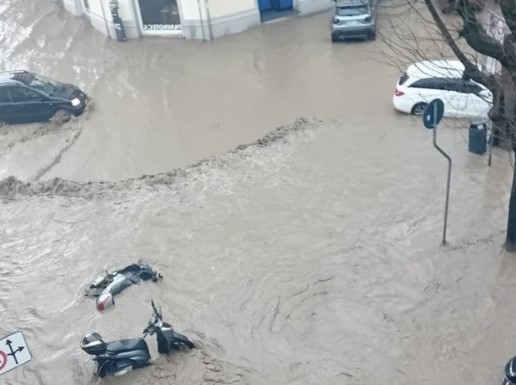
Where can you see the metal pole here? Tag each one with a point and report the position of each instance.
(449, 179)
(491, 139)
(209, 18)
(200, 19)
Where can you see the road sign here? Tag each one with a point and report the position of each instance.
(433, 113)
(431, 118)
(14, 352)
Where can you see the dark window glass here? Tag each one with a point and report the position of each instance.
(352, 11)
(44, 84)
(425, 83)
(403, 78)
(21, 94)
(445, 84)
(450, 84)
(4, 95)
(471, 88)
(160, 15)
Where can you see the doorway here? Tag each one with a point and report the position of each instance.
(160, 17)
(275, 9)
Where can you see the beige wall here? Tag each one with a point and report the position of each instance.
(95, 6)
(125, 9)
(220, 8)
(217, 8)
(495, 27)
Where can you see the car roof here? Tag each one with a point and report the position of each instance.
(13, 77)
(7, 78)
(436, 68)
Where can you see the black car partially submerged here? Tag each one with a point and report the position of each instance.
(27, 97)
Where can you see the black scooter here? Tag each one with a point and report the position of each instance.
(168, 340)
(120, 357)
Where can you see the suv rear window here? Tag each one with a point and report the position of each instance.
(352, 11)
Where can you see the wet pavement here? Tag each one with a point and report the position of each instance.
(310, 256)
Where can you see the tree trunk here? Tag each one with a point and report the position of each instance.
(510, 242)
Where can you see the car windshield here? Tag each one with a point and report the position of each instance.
(44, 84)
(352, 11)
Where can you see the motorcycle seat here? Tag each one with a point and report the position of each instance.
(127, 345)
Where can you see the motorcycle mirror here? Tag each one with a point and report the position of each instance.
(160, 314)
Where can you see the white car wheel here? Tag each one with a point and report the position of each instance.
(418, 109)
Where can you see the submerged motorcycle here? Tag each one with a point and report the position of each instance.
(510, 372)
(120, 357)
(105, 287)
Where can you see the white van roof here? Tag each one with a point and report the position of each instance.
(436, 68)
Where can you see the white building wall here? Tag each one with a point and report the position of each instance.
(96, 16)
(130, 17)
(200, 19)
(312, 6)
(190, 9)
(219, 17)
(73, 6)
(221, 8)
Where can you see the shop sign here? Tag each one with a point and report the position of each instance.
(162, 27)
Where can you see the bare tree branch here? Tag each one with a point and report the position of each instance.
(471, 69)
(508, 8)
(478, 39)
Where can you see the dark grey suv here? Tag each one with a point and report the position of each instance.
(27, 97)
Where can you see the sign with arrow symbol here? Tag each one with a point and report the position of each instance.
(14, 352)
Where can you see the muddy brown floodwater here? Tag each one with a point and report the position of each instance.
(310, 256)
(166, 103)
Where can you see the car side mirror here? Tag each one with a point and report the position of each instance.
(485, 94)
(38, 97)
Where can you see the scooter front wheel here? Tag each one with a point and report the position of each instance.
(182, 340)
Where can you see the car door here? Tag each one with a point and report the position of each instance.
(29, 105)
(456, 96)
(480, 99)
(5, 105)
(425, 90)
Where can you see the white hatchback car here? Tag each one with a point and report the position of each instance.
(427, 80)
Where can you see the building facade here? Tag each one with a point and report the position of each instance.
(496, 27)
(190, 19)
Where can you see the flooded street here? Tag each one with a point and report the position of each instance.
(310, 256)
(166, 103)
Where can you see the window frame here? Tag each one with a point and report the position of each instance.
(40, 97)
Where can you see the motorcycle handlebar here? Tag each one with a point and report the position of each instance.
(154, 307)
